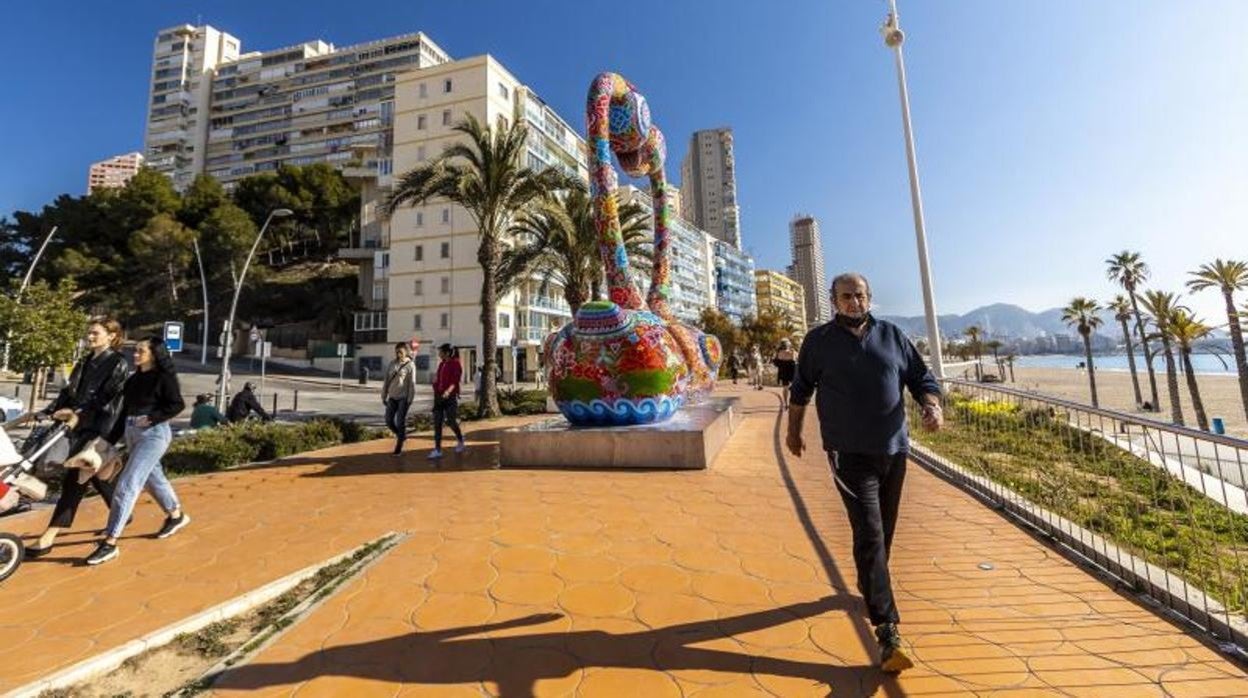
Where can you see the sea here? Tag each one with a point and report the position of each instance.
(1202, 363)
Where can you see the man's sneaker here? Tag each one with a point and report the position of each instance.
(893, 658)
(459, 446)
(173, 525)
(435, 454)
(102, 553)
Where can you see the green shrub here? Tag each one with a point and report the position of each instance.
(210, 450)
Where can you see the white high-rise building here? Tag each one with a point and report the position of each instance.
(114, 172)
(708, 185)
(807, 268)
(183, 61)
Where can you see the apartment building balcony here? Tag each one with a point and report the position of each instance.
(371, 326)
(167, 136)
(547, 303)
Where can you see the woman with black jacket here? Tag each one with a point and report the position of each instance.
(91, 398)
(152, 397)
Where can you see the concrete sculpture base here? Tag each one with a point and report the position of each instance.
(690, 440)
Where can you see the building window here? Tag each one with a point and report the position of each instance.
(419, 287)
(502, 91)
(446, 250)
(420, 253)
(504, 321)
(446, 284)
(446, 117)
(420, 123)
(446, 85)
(424, 91)
(446, 215)
(446, 320)
(420, 153)
(502, 123)
(420, 219)
(416, 322)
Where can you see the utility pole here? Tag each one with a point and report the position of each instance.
(203, 283)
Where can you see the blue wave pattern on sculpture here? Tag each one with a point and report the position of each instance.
(620, 413)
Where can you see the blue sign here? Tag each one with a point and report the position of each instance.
(173, 336)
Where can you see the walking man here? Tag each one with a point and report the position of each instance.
(397, 393)
(446, 400)
(859, 366)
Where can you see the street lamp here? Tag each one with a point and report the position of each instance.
(238, 287)
(203, 283)
(893, 38)
(21, 290)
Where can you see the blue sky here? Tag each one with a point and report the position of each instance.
(1050, 133)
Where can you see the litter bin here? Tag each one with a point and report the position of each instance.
(1218, 426)
(363, 375)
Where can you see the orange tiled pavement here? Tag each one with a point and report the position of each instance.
(723, 582)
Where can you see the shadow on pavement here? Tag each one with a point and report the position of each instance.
(515, 663)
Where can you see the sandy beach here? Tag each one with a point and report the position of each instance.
(1220, 393)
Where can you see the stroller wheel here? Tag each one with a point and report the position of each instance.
(11, 552)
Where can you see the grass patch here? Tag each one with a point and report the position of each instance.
(1084, 478)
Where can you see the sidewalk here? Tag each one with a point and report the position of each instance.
(730, 581)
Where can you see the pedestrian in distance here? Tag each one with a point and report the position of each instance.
(734, 366)
(90, 402)
(397, 393)
(856, 367)
(785, 361)
(204, 414)
(446, 400)
(754, 364)
(244, 404)
(151, 397)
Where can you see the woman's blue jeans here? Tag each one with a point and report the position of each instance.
(142, 470)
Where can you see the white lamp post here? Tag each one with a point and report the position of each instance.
(228, 344)
(893, 38)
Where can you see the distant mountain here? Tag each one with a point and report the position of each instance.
(997, 320)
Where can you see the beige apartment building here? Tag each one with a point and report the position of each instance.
(708, 185)
(782, 295)
(434, 279)
(114, 172)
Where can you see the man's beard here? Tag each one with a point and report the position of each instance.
(851, 323)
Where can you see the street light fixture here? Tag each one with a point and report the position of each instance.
(893, 38)
(21, 290)
(228, 344)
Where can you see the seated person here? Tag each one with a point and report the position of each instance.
(205, 415)
(244, 403)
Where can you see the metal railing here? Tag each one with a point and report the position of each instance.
(1161, 507)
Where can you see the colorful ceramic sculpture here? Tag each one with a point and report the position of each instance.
(623, 361)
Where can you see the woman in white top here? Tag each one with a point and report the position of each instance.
(398, 392)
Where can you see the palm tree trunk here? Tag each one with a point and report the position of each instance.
(1172, 383)
(1237, 344)
(1012, 372)
(1135, 377)
(488, 257)
(1197, 404)
(1087, 352)
(1148, 352)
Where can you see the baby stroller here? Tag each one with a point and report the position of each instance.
(18, 483)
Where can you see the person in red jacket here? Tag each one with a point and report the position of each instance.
(446, 399)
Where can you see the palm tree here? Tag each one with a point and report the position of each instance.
(1122, 313)
(559, 241)
(1128, 270)
(482, 173)
(1161, 306)
(1009, 360)
(1186, 329)
(1081, 314)
(1228, 276)
(974, 333)
(994, 346)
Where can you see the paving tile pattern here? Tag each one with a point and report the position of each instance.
(732, 581)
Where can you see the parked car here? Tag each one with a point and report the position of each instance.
(10, 408)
